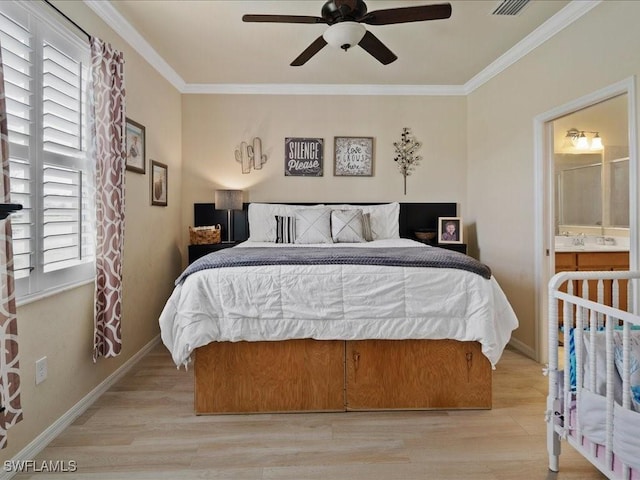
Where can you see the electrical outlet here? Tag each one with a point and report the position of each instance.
(41, 370)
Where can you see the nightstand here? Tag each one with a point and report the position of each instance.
(197, 251)
(456, 247)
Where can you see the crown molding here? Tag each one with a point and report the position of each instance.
(565, 17)
(122, 27)
(323, 89)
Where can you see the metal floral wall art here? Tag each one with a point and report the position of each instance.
(405, 158)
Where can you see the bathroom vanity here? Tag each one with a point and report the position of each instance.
(595, 258)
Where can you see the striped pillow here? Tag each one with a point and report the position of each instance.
(285, 229)
(366, 227)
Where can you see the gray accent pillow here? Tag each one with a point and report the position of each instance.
(366, 227)
(347, 226)
(313, 225)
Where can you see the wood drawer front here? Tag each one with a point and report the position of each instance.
(566, 261)
(291, 375)
(417, 374)
(603, 260)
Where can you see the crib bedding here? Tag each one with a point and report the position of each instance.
(593, 403)
(335, 302)
(593, 428)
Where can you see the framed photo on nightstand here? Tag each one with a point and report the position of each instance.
(449, 230)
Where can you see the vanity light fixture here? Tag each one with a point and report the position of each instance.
(580, 140)
(596, 142)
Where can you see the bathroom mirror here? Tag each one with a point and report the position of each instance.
(579, 185)
(592, 185)
(592, 192)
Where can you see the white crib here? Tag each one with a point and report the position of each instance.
(590, 403)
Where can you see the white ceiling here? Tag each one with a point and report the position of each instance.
(203, 45)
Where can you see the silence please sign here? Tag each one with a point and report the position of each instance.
(303, 157)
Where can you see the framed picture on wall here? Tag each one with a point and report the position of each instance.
(353, 157)
(449, 230)
(303, 157)
(159, 183)
(136, 149)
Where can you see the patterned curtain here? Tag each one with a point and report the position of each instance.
(9, 368)
(108, 129)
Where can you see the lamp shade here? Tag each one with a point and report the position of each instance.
(228, 199)
(583, 142)
(344, 34)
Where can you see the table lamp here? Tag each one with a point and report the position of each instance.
(228, 200)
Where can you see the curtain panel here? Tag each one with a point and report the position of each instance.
(9, 368)
(108, 129)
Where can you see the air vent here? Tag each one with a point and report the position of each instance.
(510, 7)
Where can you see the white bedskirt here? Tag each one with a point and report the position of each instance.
(336, 302)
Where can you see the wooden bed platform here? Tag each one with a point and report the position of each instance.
(332, 375)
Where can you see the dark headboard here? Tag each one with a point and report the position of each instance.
(413, 216)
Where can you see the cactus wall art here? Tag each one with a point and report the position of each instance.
(250, 156)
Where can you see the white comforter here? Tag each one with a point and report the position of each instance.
(336, 302)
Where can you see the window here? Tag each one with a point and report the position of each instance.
(46, 74)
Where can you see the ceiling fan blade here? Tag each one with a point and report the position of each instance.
(376, 48)
(283, 19)
(407, 14)
(310, 51)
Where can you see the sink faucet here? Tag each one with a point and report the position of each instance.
(579, 240)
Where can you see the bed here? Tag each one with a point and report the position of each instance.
(333, 323)
(594, 400)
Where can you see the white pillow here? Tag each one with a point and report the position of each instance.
(313, 225)
(385, 218)
(262, 219)
(347, 226)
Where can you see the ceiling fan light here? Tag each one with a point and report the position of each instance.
(344, 34)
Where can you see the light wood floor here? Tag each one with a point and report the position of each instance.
(144, 428)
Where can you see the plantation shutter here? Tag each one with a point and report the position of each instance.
(46, 73)
(17, 56)
(64, 160)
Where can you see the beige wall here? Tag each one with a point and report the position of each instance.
(478, 152)
(497, 163)
(594, 52)
(61, 327)
(214, 126)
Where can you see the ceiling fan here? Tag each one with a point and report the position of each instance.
(345, 19)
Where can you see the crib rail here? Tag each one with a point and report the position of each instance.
(585, 319)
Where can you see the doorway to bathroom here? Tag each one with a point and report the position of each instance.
(586, 187)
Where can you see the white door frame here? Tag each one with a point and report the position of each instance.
(544, 202)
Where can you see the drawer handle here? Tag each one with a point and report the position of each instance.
(356, 360)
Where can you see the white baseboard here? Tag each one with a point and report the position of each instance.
(523, 348)
(56, 428)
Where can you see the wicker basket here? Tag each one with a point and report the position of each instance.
(204, 235)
